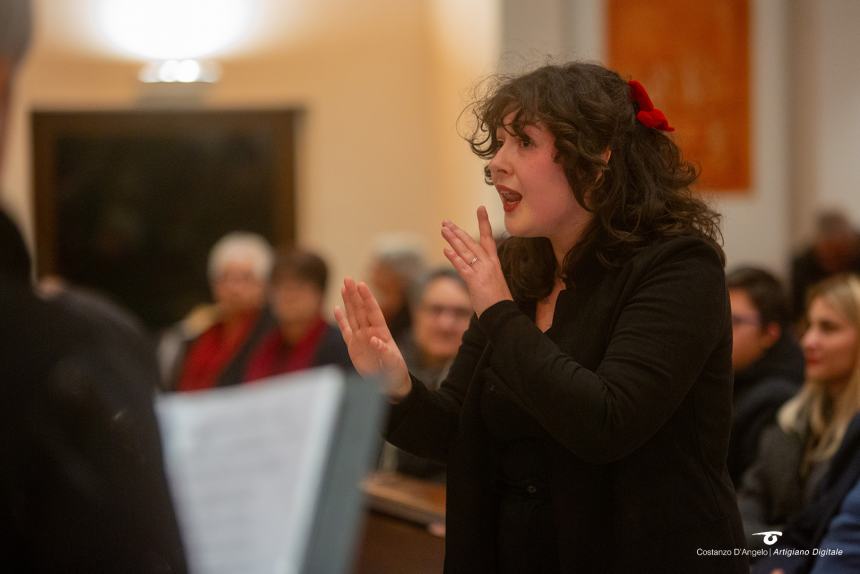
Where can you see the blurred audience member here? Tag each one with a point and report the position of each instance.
(239, 266)
(441, 309)
(767, 360)
(796, 451)
(174, 342)
(831, 523)
(82, 487)
(302, 339)
(393, 272)
(835, 249)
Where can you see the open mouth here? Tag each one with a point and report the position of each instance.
(510, 199)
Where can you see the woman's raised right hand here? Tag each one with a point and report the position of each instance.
(371, 347)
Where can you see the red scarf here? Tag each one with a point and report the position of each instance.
(211, 353)
(275, 356)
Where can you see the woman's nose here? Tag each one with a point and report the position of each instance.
(807, 341)
(499, 164)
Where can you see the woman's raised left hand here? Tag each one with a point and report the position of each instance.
(477, 262)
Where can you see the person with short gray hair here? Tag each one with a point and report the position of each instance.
(244, 246)
(392, 273)
(213, 351)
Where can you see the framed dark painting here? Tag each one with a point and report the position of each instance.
(128, 203)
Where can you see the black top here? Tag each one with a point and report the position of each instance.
(760, 390)
(432, 376)
(629, 396)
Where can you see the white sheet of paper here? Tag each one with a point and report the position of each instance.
(244, 465)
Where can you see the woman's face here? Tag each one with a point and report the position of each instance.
(441, 318)
(829, 345)
(535, 193)
(237, 289)
(295, 301)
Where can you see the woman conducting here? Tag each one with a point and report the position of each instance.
(586, 418)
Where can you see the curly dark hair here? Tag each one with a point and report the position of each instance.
(641, 195)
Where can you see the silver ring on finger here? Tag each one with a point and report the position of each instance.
(473, 261)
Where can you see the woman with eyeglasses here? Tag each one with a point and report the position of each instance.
(766, 359)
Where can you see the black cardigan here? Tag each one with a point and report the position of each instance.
(633, 384)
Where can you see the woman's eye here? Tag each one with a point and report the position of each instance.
(828, 327)
(525, 142)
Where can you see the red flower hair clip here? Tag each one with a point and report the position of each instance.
(648, 115)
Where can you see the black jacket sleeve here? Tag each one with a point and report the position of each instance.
(426, 422)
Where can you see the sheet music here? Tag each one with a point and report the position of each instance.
(244, 464)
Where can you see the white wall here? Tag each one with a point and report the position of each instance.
(807, 128)
(756, 225)
(466, 41)
(831, 110)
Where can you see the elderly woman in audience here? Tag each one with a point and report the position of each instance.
(766, 359)
(441, 309)
(302, 338)
(214, 352)
(795, 452)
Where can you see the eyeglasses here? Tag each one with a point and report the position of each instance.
(436, 311)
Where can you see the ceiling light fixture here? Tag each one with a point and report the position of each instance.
(186, 71)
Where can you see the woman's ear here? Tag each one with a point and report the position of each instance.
(607, 153)
(772, 333)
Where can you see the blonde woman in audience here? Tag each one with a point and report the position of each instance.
(795, 451)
